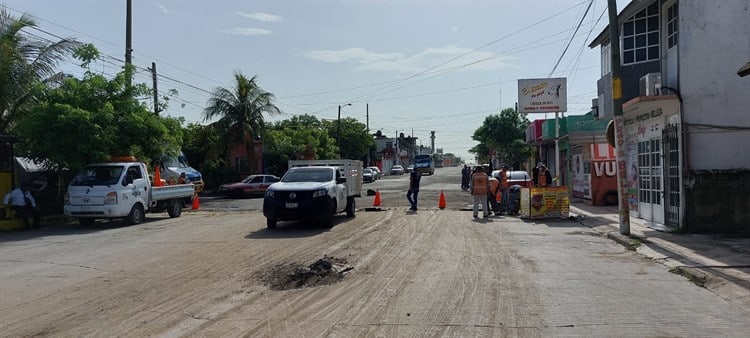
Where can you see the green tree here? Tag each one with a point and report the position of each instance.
(505, 133)
(297, 138)
(240, 112)
(355, 140)
(24, 63)
(91, 119)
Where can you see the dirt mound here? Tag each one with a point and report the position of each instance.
(327, 270)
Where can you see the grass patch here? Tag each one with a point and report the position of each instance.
(633, 244)
(697, 280)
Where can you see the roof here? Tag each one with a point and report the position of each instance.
(631, 9)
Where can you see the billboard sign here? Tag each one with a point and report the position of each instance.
(543, 95)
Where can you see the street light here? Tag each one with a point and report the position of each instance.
(338, 128)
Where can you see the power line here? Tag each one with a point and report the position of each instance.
(571, 38)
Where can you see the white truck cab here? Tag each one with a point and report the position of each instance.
(121, 190)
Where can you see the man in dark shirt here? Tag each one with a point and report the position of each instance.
(413, 192)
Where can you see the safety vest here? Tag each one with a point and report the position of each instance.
(504, 179)
(494, 183)
(543, 178)
(479, 182)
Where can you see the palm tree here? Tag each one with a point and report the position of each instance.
(240, 112)
(23, 63)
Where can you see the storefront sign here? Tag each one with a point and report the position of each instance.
(542, 95)
(546, 202)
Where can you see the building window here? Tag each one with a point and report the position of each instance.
(640, 36)
(606, 59)
(672, 26)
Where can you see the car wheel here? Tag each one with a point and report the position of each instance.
(328, 222)
(351, 207)
(174, 208)
(270, 223)
(136, 215)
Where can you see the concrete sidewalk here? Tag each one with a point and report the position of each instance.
(720, 263)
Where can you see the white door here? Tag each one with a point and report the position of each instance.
(650, 198)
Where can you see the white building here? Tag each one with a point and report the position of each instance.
(686, 111)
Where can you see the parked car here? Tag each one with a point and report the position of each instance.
(376, 171)
(521, 178)
(397, 170)
(410, 168)
(253, 185)
(368, 176)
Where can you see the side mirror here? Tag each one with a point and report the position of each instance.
(340, 180)
(128, 180)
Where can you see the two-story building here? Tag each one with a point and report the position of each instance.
(686, 111)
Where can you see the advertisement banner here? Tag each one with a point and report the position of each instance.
(542, 95)
(548, 202)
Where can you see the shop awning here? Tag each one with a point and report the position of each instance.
(645, 104)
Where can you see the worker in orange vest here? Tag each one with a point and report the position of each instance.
(480, 185)
(545, 177)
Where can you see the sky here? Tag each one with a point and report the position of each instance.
(413, 66)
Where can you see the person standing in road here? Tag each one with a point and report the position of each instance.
(480, 185)
(545, 177)
(492, 195)
(504, 186)
(465, 175)
(23, 204)
(413, 192)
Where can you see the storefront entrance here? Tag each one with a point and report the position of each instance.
(650, 195)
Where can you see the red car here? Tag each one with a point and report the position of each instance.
(253, 185)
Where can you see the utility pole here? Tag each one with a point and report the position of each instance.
(367, 127)
(622, 167)
(129, 36)
(156, 90)
(338, 129)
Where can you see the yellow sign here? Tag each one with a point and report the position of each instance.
(545, 203)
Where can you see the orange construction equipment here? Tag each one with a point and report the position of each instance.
(196, 202)
(157, 177)
(441, 203)
(376, 202)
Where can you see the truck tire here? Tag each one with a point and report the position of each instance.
(351, 207)
(328, 221)
(270, 223)
(136, 215)
(174, 208)
(86, 221)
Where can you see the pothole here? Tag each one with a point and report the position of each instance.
(327, 270)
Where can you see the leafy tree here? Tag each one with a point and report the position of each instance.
(91, 119)
(240, 112)
(24, 63)
(355, 141)
(297, 138)
(504, 132)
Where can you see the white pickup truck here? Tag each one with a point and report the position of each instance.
(121, 190)
(314, 189)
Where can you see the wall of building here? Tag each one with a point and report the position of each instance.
(718, 202)
(713, 45)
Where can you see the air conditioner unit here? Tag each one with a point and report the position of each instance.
(650, 84)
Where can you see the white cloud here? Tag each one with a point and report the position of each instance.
(410, 63)
(246, 31)
(265, 17)
(163, 8)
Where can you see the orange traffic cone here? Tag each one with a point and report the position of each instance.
(196, 202)
(376, 202)
(441, 202)
(157, 177)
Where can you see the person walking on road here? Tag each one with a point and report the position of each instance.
(465, 176)
(413, 192)
(480, 185)
(23, 204)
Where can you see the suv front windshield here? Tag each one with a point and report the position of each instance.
(98, 175)
(308, 175)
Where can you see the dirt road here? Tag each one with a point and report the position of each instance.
(430, 273)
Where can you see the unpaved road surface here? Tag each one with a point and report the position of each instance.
(429, 273)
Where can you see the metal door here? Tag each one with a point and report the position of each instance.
(671, 155)
(650, 180)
